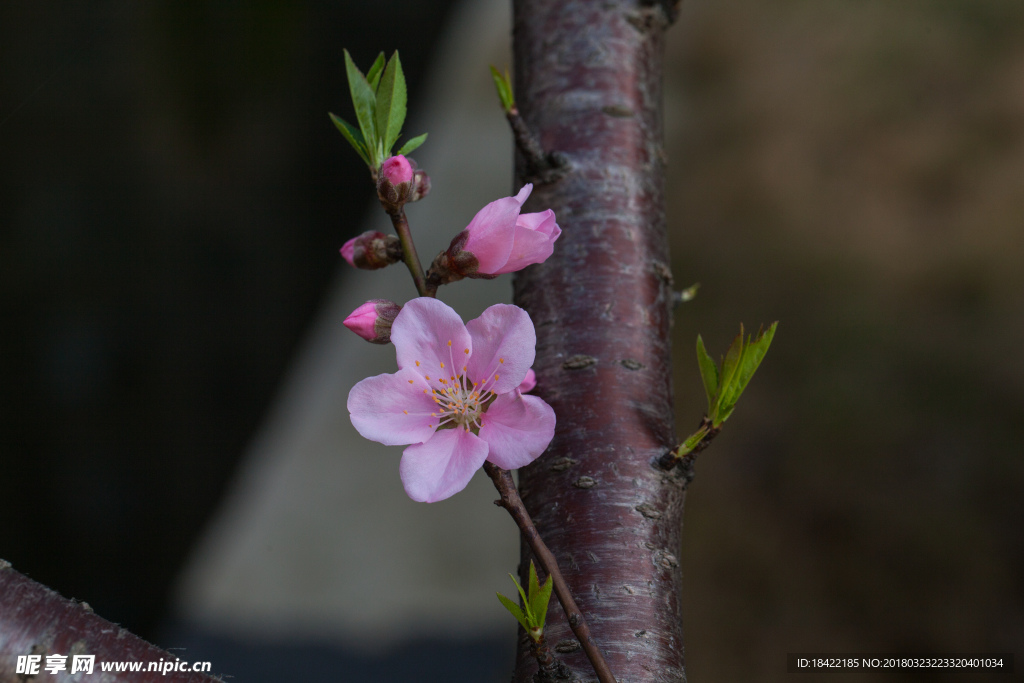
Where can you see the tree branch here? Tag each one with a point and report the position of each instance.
(409, 255)
(510, 501)
(36, 620)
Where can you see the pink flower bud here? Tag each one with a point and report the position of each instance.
(372, 250)
(397, 170)
(348, 251)
(372, 321)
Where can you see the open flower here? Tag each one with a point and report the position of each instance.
(499, 239)
(455, 397)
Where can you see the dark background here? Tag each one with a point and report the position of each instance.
(172, 201)
(172, 198)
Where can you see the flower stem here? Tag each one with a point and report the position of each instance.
(409, 255)
(511, 501)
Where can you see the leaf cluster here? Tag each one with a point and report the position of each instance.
(535, 604)
(725, 382)
(380, 100)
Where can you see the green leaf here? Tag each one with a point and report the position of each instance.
(504, 87)
(526, 601)
(514, 609)
(373, 75)
(708, 373)
(752, 355)
(365, 103)
(352, 134)
(727, 379)
(410, 145)
(540, 602)
(391, 100)
(755, 353)
(533, 585)
(692, 441)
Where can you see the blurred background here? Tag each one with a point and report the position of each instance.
(174, 447)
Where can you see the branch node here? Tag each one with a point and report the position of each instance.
(542, 167)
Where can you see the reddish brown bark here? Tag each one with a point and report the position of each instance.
(36, 620)
(588, 84)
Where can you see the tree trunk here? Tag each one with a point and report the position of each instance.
(588, 84)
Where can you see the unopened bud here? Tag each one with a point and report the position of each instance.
(372, 321)
(420, 185)
(372, 250)
(397, 170)
(394, 183)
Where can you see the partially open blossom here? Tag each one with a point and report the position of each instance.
(529, 382)
(372, 250)
(372, 321)
(455, 397)
(501, 240)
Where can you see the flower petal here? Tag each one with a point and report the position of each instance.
(543, 222)
(529, 382)
(517, 429)
(528, 247)
(504, 344)
(393, 409)
(429, 336)
(491, 234)
(442, 466)
(524, 193)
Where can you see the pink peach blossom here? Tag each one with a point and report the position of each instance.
(503, 241)
(455, 397)
(397, 170)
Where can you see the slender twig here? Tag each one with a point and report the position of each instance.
(544, 167)
(409, 255)
(511, 501)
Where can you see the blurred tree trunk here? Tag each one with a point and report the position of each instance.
(588, 84)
